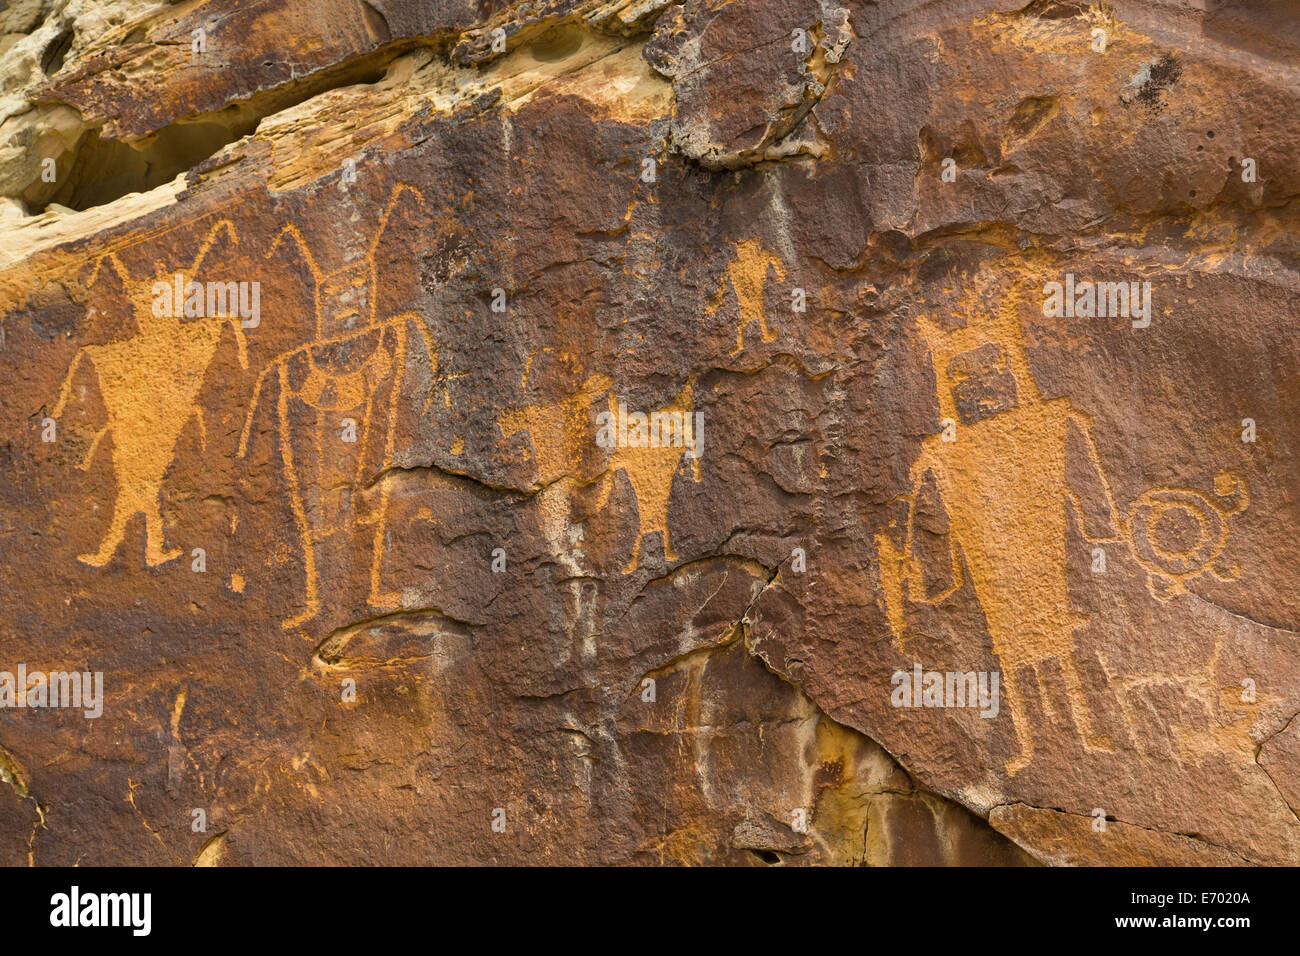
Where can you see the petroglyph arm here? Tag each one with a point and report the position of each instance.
(241, 340)
(1101, 523)
(65, 390)
(252, 407)
(607, 479)
(94, 446)
(898, 569)
(203, 427)
(414, 318)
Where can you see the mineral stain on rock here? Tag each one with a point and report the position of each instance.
(1152, 81)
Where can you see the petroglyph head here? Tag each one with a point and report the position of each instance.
(982, 383)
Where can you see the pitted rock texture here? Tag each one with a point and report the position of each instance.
(982, 317)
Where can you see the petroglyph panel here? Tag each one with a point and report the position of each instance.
(592, 428)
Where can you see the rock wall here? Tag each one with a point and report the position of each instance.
(765, 431)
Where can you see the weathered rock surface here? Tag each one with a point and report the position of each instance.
(365, 584)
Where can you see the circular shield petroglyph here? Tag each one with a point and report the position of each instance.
(1176, 531)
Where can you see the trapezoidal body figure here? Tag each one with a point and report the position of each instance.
(1007, 469)
(148, 384)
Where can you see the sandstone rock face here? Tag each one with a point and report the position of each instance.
(966, 530)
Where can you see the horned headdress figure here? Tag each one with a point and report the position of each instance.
(999, 469)
(1013, 469)
(149, 382)
(336, 407)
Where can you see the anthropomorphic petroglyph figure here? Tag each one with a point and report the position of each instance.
(349, 377)
(1019, 464)
(747, 277)
(651, 465)
(148, 383)
(558, 432)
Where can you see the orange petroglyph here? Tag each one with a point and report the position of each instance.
(1228, 719)
(148, 384)
(1003, 483)
(558, 432)
(1172, 565)
(650, 471)
(747, 277)
(343, 372)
